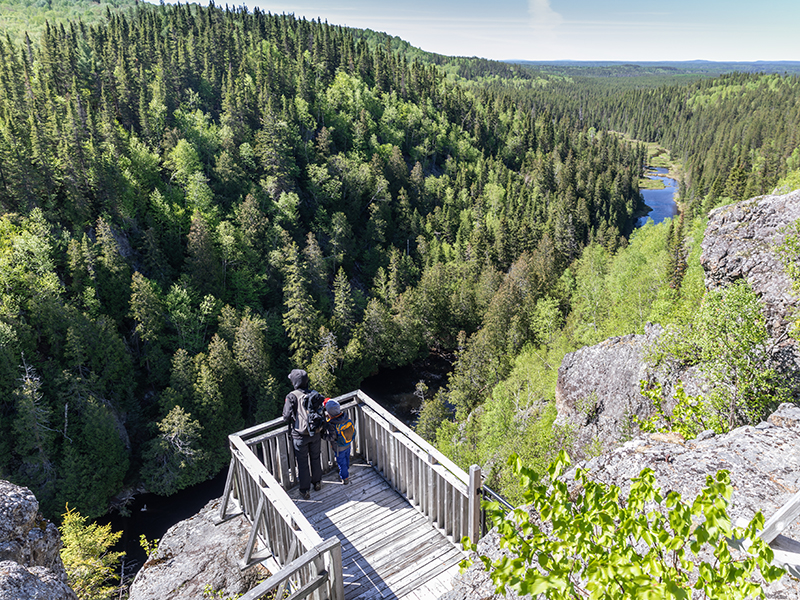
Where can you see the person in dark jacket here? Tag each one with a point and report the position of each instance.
(306, 441)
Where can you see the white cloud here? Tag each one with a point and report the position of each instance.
(543, 16)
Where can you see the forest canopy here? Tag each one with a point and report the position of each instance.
(196, 200)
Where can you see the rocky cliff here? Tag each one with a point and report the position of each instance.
(196, 555)
(741, 242)
(764, 463)
(30, 565)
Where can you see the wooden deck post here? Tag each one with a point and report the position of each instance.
(474, 508)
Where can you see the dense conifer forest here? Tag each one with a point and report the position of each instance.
(196, 200)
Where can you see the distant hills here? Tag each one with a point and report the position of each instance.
(20, 16)
(646, 68)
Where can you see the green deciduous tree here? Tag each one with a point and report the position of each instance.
(727, 341)
(86, 552)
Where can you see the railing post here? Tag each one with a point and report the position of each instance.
(337, 585)
(474, 523)
(226, 495)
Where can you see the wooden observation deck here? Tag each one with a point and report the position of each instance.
(393, 532)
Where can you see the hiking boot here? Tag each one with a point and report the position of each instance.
(317, 486)
(346, 480)
(306, 495)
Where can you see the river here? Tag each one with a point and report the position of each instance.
(395, 389)
(661, 201)
(151, 515)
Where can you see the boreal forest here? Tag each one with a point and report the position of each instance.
(196, 200)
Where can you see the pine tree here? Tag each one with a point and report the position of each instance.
(217, 397)
(344, 308)
(34, 435)
(300, 317)
(90, 564)
(325, 364)
(203, 263)
(252, 358)
(174, 460)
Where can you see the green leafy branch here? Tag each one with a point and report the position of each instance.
(690, 415)
(150, 547)
(595, 544)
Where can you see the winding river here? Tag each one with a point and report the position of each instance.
(661, 201)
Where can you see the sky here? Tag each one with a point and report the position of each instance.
(547, 30)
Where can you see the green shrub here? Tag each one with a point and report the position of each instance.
(594, 544)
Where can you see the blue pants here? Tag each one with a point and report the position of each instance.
(343, 462)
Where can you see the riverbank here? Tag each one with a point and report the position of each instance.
(658, 157)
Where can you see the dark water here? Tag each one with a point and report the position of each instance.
(394, 389)
(152, 515)
(662, 202)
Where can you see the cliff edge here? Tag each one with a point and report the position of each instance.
(597, 392)
(30, 564)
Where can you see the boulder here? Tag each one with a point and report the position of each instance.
(30, 564)
(194, 555)
(31, 583)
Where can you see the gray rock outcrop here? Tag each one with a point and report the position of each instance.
(741, 242)
(597, 393)
(30, 564)
(764, 465)
(195, 554)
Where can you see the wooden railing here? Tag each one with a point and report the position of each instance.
(431, 482)
(308, 563)
(263, 467)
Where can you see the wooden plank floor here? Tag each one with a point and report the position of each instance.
(388, 548)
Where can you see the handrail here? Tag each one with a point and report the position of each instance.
(414, 437)
(282, 577)
(494, 496)
(275, 493)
